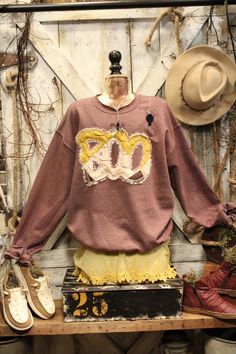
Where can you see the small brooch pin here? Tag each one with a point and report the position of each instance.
(149, 119)
(118, 127)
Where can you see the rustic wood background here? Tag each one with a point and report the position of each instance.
(72, 60)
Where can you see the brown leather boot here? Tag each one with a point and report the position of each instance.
(222, 280)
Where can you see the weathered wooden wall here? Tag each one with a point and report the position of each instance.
(72, 60)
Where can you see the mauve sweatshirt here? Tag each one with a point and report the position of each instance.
(115, 181)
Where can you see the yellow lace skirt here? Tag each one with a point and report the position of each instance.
(99, 268)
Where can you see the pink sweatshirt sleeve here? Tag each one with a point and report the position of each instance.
(191, 187)
(48, 199)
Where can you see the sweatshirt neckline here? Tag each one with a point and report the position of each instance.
(130, 107)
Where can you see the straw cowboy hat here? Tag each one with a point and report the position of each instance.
(200, 86)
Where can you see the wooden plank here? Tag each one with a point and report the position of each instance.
(58, 258)
(55, 275)
(179, 216)
(2, 173)
(97, 343)
(145, 343)
(142, 57)
(186, 252)
(81, 347)
(85, 58)
(182, 268)
(201, 37)
(58, 61)
(53, 344)
(124, 340)
(67, 240)
(18, 346)
(156, 350)
(116, 37)
(96, 15)
(56, 325)
(232, 9)
(40, 343)
(157, 75)
(167, 29)
(62, 344)
(56, 234)
(64, 257)
(218, 32)
(202, 140)
(92, 62)
(68, 43)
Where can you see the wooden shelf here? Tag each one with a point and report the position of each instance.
(57, 326)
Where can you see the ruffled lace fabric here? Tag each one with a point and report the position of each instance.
(99, 268)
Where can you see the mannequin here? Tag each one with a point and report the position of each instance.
(104, 267)
(116, 92)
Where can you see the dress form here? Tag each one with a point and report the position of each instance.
(116, 91)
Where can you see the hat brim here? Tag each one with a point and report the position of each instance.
(174, 82)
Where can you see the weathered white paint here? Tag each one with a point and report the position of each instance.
(57, 60)
(91, 61)
(45, 102)
(142, 57)
(56, 234)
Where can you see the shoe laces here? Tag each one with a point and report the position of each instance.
(13, 294)
(41, 283)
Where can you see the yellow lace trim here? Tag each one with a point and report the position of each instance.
(98, 268)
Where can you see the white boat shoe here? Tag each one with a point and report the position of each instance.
(15, 308)
(38, 293)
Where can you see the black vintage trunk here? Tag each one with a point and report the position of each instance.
(120, 302)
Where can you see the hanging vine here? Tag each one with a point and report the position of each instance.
(26, 136)
(22, 86)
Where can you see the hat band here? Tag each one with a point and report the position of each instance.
(186, 103)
